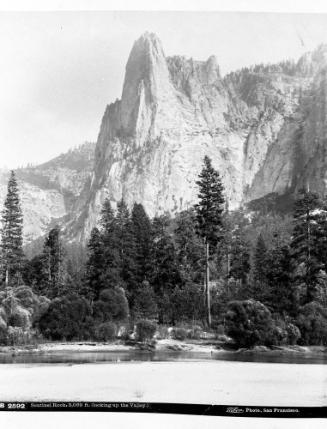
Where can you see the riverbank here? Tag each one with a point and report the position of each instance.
(116, 346)
(216, 382)
(164, 345)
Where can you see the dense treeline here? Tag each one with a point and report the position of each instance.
(260, 278)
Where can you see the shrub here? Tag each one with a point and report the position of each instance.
(18, 336)
(124, 331)
(179, 334)
(145, 330)
(67, 318)
(293, 333)
(195, 332)
(220, 330)
(312, 322)
(26, 296)
(111, 306)
(40, 308)
(20, 317)
(21, 306)
(277, 335)
(106, 331)
(249, 323)
(3, 331)
(163, 332)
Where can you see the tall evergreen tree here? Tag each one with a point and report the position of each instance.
(76, 256)
(209, 214)
(141, 231)
(107, 219)
(322, 234)
(111, 276)
(189, 247)
(165, 274)
(54, 265)
(260, 255)
(305, 243)
(11, 235)
(280, 294)
(239, 258)
(259, 269)
(145, 305)
(93, 282)
(126, 247)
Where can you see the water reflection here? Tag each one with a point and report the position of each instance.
(81, 357)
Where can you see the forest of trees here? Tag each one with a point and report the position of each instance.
(260, 278)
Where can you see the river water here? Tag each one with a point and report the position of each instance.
(84, 357)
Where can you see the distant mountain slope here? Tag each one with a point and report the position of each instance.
(49, 191)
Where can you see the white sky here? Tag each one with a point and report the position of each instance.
(58, 70)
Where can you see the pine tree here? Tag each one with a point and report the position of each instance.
(239, 257)
(189, 247)
(322, 234)
(11, 235)
(76, 256)
(126, 246)
(164, 274)
(107, 219)
(305, 243)
(141, 231)
(209, 214)
(54, 265)
(108, 224)
(280, 293)
(93, 283)
(260, 254)
(145, 306)
(259, 269)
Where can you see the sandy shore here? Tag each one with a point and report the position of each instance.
(162, 345)
(217, 382)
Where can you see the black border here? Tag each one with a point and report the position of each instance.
(168, 408)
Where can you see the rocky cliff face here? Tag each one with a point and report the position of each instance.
(263, 127)
(49, 192)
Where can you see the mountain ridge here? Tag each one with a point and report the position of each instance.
(263, 126)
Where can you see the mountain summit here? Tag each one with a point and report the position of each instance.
(264, 128)
(259, 125)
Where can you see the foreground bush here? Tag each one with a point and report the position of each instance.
(3, 327)
(67, 318)
(163, 332)
(195, 332)
(312, 322)
(145, 330)
(17, 336)
(111, 306)
(179, 334)
(105, 331)
(249, 323)
(293, 333)
(20, 308)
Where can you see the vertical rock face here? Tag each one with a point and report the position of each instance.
(151, 144)
(263, 127)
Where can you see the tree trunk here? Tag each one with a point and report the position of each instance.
(7, 276)
(228, 261)
(207, 285)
